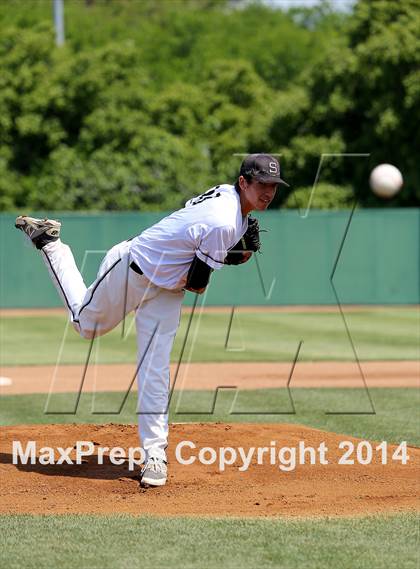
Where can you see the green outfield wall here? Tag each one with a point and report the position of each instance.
(379, 261)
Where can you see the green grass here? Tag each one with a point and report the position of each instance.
(125, 542)
(122, 542)
(387, 334)
(396, 418)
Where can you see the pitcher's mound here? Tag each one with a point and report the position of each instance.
(261, 490)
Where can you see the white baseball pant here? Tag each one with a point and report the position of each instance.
(96, 310)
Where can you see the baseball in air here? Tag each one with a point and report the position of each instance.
(386, 180)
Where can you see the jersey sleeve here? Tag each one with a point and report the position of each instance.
(214, 246)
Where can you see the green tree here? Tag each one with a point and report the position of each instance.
(363, 97)
(162, 99)
(155, 171)
(320, 196)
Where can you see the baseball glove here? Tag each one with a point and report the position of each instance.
(250, 243)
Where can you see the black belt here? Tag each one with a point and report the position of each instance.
(136, 268)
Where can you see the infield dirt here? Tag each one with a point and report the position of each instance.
(262, 490)
(209, 375)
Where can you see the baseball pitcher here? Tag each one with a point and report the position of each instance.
(150, 274)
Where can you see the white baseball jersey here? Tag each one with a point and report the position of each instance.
(208, 226)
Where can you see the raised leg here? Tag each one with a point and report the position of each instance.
(65, 275)
(116, 291)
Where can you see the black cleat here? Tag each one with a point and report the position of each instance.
(40, 231)
(154, 472)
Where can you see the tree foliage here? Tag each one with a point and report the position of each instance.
(161, 99)
(363, 98)
(320, 196)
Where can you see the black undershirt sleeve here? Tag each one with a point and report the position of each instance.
(199, 274)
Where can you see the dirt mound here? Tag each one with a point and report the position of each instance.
(262, 490)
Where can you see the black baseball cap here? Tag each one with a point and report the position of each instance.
(263, 167)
